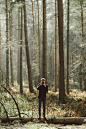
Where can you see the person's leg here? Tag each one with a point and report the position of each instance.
(39, 107)
(44, 102)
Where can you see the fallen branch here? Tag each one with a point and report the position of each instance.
(5, 110)
(13, 100)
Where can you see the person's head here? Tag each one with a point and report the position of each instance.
(43, 81)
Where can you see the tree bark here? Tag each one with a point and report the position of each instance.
(44, 42)
(38, 41)
(0, 54)
(73, 66)
(34, 46)
(18, 74)
(27, 52)
(68, 49)
(7, 49)
(58, 72)
(82, 50)
(55, 46)
(11, 48)
(80, 76)
(61, 53)
(21, 86)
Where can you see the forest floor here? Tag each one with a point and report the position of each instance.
(74, 106)
(31, 125)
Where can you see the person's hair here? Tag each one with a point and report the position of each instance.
(42, 79)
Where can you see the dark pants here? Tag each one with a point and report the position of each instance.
(39, 107)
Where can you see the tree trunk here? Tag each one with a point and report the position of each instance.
(0, 54)
(21, 87)
(18, 76)
(44, 72)
(55, 45)
(68, 49)
(50, 60)
(73, 66)
(27, 52)
(34, 46)
(58, 72)
(11, 51)
(61, 53)
(82, 51)
(38, 42)
(80, 76)
(7, 49)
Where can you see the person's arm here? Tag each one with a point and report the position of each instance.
(38, 86)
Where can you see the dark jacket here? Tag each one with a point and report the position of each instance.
(42, 90)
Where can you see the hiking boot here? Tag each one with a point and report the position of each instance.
(44, 117)
(39, 118)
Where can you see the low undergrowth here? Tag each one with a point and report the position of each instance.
(74, 106)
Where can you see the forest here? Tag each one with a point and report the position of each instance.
(42, 39)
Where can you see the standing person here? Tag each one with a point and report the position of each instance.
(43, 88)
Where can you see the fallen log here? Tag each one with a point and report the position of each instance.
(58, 120)
(11, 119)
(67, 120)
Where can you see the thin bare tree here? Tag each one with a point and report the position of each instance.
(0, 52)
(18, 74)
(7, 48)
(68, 48)
(21, 38)
(44, 72)
(27, 52)
(38, 41)
(55, 45)
(34, 45)
(82, 49)
(11, 46)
